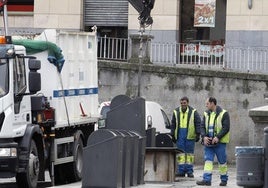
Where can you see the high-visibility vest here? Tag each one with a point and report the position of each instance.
(217, 126)
(191, 135)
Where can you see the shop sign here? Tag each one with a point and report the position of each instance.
(204, 13)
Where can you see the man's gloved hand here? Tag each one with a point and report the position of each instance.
(197, 138)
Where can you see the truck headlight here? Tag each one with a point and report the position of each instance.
(8, 152)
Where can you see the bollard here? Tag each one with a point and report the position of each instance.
(266, 157)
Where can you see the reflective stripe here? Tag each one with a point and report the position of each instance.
(211, 128)
(181, 158)
(189, 158)
(183, 119)
(177, 123)
(208, 167)
(223, 169)
(75, 92)
(191, 128)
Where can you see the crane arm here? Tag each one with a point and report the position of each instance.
(144, 8)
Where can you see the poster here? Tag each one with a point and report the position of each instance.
(204, 13)
(202, 50)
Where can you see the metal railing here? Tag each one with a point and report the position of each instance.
(112, 48)
(187, 53)
(250, 59)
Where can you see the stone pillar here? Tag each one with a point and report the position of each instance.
(134, 48)
(259, 116)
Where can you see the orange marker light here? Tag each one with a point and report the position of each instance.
(2, 40)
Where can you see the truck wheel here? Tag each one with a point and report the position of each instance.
(78, 159)
(30, 177)
(60, 175)
(71, 172)
(75, 168)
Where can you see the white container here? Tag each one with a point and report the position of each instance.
(74, 91)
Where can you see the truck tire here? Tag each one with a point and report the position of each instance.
(74, 169)
(71, 172)
(60, 175)
(78, 159)
(30, 177)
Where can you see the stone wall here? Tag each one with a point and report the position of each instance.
(236, 92)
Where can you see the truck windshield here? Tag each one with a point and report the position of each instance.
(4, 81)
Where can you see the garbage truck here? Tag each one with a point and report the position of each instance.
(48, 105)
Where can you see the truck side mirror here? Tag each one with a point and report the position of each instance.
(34, 76)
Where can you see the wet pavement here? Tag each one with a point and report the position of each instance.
(181, 182)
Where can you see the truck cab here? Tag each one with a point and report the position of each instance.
(19, 79)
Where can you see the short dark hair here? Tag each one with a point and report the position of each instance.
(212, 99)
(185, 99)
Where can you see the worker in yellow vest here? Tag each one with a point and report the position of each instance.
(215, 135)
(185, 130)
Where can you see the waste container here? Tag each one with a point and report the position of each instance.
(126, 157)
(134, 158)
(150, 137)
(164, 140)
(250, 166)
(102, 160)
(141, 157)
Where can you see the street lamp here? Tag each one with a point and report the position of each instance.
(250, 4)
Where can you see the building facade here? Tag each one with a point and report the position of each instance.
(236, 23)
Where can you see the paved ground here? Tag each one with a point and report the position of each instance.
(181, 182)
(185, 182)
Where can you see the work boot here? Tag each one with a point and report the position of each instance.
(180, 175)
(190, 175)
(203, 182)
(223, 183)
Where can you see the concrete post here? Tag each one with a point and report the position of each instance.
(134, 48)
(259, 116)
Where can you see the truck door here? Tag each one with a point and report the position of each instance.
(21, 102)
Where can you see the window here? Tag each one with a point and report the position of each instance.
(166, 120)
(20, 5)
(19, 76)
(191, 33)
(4, 77)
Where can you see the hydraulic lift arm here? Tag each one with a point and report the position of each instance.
(144, 8)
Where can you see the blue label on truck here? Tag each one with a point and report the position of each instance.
(75, 92)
